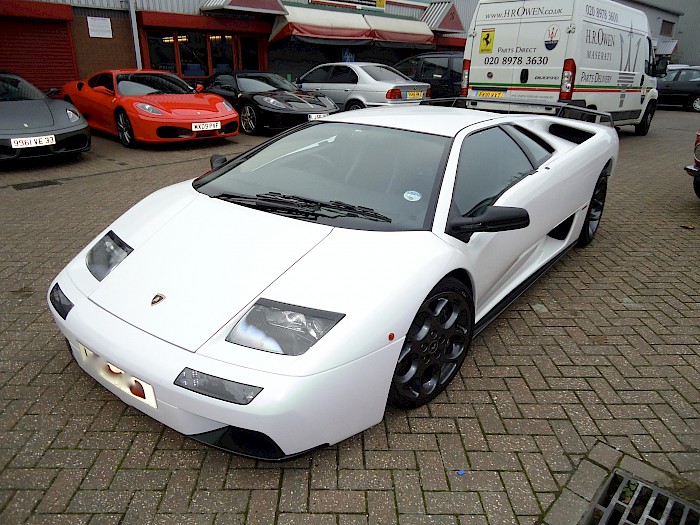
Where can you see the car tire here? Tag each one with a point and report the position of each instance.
(594, 214)
(435, 346)
(125, 130)
(642, 128)
(249, 119)
(696, 186)
(353, 105)
(695, 104)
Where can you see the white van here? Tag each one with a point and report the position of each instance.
(592, 53)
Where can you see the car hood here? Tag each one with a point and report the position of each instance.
(23, 115)
(186, 105)
(209, 260)
(299, 99)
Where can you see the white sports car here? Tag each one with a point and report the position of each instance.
(278, 302)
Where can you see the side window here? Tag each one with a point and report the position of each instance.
(489, 163)
(649, 62)
(104, 80)
(408, 67)
(435, 68)
(317, 75)
(342, 75)
(689, 75)
(456, 68)
(537, 149)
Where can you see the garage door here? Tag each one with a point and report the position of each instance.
(39, 50)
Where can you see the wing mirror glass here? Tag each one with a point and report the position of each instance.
(199, 88)
(661, 67)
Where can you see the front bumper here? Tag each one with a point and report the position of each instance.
(68, 141)
(289, 416)
(159, 130)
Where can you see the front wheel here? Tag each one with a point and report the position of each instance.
(642, 128)
(695, 104)
(595, 211)
(435, 346)
(249, 119)
(124, 129)
(353, 105)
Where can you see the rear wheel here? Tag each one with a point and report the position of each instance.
(695, 104)
(642, 128)
(249, 119)
(595, 211)
(435, 346)
(124, 129)
(353, 105)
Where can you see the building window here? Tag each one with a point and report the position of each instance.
(666, 28)
(250, 55)
(221, 53)
(193, 54)
(161, 50)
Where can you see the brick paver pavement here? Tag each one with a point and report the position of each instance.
(596, 366)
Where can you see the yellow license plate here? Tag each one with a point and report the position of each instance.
(491, 94)
(414, 94)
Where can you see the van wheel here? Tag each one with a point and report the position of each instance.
(642, 128)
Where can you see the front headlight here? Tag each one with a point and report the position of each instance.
(144, 106)
(109, 251)
(228, 105)
(282, 328)
(273, 102)
(73, 115)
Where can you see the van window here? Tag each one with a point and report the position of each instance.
(490, 162)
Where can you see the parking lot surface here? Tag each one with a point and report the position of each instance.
(595, 368)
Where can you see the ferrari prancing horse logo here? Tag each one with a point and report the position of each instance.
(157, 299)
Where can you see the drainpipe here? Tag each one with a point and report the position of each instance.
(135, 33)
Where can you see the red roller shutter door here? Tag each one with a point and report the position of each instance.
(39, 50)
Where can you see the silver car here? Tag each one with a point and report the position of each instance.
(355, 85)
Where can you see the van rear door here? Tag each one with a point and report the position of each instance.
(529, 41)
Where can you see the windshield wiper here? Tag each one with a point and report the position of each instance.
(303, 206)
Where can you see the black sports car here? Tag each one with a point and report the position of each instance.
(34, 125)
(266, 100)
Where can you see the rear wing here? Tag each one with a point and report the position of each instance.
(555, 109)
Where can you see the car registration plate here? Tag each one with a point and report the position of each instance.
(134, 387)
(414, 94)
(316, 116)
(33, 142)
(490, 94)
(205, 126)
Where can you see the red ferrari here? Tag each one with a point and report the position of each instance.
(150, 106)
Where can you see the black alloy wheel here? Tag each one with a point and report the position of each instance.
(249, 119)
(595, 211)
(435, 346)
(124, 129)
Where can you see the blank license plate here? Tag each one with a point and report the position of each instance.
(204, 126)
(314, 116)
(33, 142)
(414, 94)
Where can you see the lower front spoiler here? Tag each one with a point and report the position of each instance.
(693, 171)
(247, 443)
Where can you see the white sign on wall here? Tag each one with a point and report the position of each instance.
(99, 27)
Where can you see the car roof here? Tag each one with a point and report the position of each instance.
(436, 120)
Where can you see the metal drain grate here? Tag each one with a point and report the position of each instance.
(628, 501)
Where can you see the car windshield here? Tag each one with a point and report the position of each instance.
(14, 88)
(384, 73)
(346, 175)
(262, 83)
(136, 84)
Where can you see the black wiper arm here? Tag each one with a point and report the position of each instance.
(340, 207)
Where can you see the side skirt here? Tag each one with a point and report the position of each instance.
(518, 291)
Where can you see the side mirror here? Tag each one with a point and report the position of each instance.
(661, 67)
(104, 91)
(199, 88)
(494, 219)
(216, 161)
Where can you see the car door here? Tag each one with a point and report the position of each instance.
(668, 88)
(315, 79)
(687, 86)
(340, 84)
(99, 104)
(494, 169)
